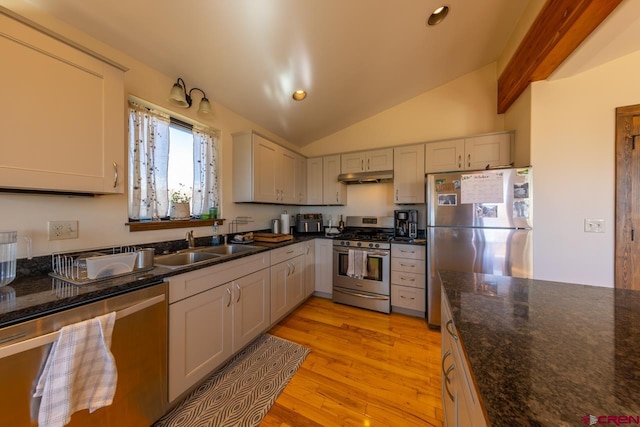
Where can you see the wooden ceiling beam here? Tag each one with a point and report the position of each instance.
(558, 30)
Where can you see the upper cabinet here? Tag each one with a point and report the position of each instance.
(471, 153)
(314, 181)
(408, 174)
(333, 191)
(263, 171)
(367, 161)
(63, 116)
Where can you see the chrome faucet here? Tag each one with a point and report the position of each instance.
(190, 239)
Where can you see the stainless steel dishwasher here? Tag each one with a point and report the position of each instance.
(139, 345)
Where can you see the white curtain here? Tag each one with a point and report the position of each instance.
(205, 170)
(148, 163)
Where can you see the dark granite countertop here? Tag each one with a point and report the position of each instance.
(38, 294)
(547, 353)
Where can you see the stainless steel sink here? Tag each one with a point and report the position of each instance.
(183, 258)
(226, 249)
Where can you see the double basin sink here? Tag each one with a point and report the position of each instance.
(200, 255)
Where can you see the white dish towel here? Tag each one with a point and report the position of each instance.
(80, 372)
(357, 264)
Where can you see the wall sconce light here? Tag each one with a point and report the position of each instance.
(179, 96)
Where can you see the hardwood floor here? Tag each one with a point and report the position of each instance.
(364, 369)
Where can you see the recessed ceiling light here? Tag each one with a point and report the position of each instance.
(299, 95)
(438, 15)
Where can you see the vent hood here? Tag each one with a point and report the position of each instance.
(366, 177)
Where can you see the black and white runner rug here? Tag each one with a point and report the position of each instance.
(242, 391)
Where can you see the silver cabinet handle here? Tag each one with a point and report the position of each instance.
(368, 164)
(408, 265)
(451, 332)
(229, 292)
(337, 196)
(397, 194)
(446, 373)
(407, 252)
(469, 160)
(362, 164)
(239, 292)
(408, 279)
(115, 174)
(290, 252)
(459, 161)
(403, 297)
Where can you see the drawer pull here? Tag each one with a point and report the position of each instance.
(451, 332)
(408, 279)
(403, 297)
(408, 265)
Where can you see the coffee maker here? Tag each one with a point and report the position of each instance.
(405, 224)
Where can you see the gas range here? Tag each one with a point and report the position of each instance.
(366, 232)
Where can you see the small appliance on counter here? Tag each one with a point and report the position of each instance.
(309, 223)
(405, 224)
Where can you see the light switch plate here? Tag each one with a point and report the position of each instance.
(593, 225)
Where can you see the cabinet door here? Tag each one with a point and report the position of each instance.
(444, 156)
(199, 337)
(309, 268)
(324, 267)
(279, 273)
(295, 282)
(266, 161)
(314, 181)
(301, 180)
(251, 307)
(286, 178)
(352, 162)
(487, 150)
(78, 144)
(379, 160)
(408, 174)
(334, 192)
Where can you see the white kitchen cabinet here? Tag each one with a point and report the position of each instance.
(470, 153)
(460, 400)
(309, 267)
(314, 181)
(287, 279)
(200, 337)
(408, 174)
(324, 268)
(213, 313)
(408, 279)
(366, 161)
(333, 191)
(300, 181)
(78, 143)
(263, 171)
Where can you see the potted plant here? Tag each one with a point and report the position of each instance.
(179, 207)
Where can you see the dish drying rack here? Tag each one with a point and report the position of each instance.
(72, 266)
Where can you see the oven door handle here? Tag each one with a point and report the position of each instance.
(369, 254)
(357, 294)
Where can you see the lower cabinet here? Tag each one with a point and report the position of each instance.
(459, 398)
(408, 280)
(324, 268)
(309, 267)
(206, 327)
(287, 283)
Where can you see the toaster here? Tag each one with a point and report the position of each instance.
(309, 223)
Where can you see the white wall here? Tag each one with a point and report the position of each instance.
(573, 153)
(102, 218)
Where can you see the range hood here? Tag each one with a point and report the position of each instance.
(366, 177)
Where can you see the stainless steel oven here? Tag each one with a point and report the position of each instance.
(372, 289)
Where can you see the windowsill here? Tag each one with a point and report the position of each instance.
(165, 225)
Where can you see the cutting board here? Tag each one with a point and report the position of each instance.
(271, 237)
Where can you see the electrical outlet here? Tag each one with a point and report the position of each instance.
(593, 225)
(60, 230)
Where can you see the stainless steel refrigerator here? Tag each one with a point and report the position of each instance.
(478, 221)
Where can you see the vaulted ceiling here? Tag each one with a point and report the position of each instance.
(355, 58)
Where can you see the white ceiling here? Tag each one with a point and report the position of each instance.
(355, 58)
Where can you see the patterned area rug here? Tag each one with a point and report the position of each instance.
(243, 390)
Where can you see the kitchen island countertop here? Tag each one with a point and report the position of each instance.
(548, 353)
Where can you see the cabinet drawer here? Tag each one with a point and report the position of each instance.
(408, 265)
(185, 285)
(286, 253)
(408, 251)
(413, 280)
(405, 297)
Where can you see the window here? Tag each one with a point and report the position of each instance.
(165, 155)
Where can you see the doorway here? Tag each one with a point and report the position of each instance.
(627, 234)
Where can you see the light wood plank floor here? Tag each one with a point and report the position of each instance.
(364, 369)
